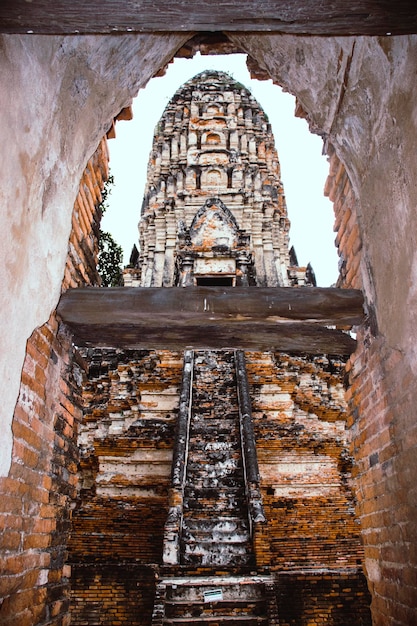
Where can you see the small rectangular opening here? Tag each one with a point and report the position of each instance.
(215, 281)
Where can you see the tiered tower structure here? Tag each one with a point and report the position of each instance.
(219, 482)
(214, 210)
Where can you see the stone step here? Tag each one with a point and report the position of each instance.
(211, 470)
(211, 420)
(215, 482)
(219, 558)
(204, 515)
(216, 537)
(192, 589)
(242, 620)
(215, 439)
(217, 504)
(228, 445)
(206, 392)
(226, 524)
(223, 498)
(236, 608)
(215, 419)
(221, 493)
(230, 468)
(214, 414)
(204, 507)
(213, 425)
(214, 411)
(210, 390)
(232, 475)
(225, 476)
(216, 369)
(222, 377)
(198, 464)
(213, 456)
(205, 548)
(218, 387)
(212, 358)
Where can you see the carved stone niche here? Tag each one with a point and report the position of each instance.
(214, 251)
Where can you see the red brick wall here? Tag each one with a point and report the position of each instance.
(83, 243)
(382, 445)
(348, 241)
(109, 594)
(385, 450)
(126, 447)
(299, 417)
(35, 497)
(322, 598)
(122, 530)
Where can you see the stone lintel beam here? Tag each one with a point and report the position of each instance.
(287, 319)
(307, 17)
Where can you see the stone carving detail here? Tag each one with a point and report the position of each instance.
(213, 155)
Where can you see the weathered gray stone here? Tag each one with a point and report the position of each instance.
(58, 98)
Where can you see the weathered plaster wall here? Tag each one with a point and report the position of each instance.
(36, 496)
(58, 98)
(363, 101)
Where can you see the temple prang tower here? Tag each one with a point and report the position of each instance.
(214, 186)
(219, 482)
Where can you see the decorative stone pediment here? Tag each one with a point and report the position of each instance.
(214, 225)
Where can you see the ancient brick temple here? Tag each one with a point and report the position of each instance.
(215, 486)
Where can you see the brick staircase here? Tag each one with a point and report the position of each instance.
(210, 580)
(214, 601)
(215, 528)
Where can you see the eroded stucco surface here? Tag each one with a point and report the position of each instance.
(360, 95)
(58, 99)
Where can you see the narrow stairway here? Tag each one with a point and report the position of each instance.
(212, 601)
(215, 529)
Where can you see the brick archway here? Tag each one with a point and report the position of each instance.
(366, 125)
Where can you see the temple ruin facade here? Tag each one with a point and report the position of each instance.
(66, 77)
(215, 481)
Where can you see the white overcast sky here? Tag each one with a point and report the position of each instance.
(303, 168)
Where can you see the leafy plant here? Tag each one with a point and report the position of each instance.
(110, 253)
(105, 192)
(110, 259)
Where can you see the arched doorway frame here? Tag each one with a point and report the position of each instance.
(338, 106)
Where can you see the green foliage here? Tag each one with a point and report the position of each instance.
(110, 259)
(106, 191)
(110, 254)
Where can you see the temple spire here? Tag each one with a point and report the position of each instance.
(214, 144)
